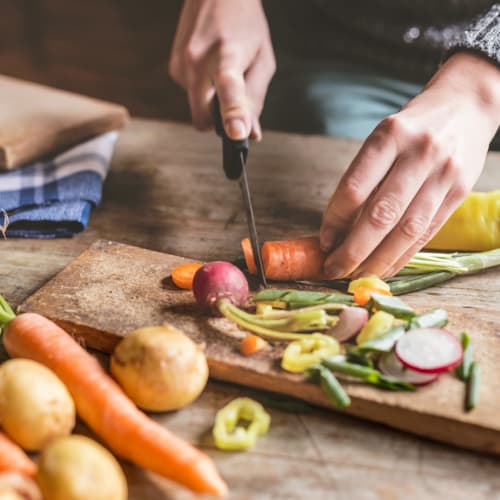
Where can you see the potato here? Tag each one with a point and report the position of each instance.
(160, 368)
(35, 406)
(77, 468)
(15, 486)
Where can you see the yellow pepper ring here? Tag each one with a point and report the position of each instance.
(228, 435)
(301, 354)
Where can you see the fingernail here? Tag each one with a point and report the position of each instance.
(236, 129)
(326, 239)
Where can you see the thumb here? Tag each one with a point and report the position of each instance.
(234, 107)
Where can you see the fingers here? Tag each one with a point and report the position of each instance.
(448, 206)
(366, 171)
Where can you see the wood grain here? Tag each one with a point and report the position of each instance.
(112, 289)
(38, 120)
(166, 192)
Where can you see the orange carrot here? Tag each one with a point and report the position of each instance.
(252, 344)
(289, 260)
(248, 254)
(13, 458)
(363, 294)
(183, 275)
(102, 404)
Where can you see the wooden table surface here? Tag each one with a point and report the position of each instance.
(166, 192)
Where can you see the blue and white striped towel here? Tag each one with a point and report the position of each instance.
(53, 198)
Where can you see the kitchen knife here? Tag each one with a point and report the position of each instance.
(234, 156)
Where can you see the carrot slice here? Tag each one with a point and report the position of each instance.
(252, 344)
(13, 458)
(183, 275)
(362, 294)
(246, 246)
(103, 405)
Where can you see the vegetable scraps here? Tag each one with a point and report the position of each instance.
(183, 275)
(104, 406)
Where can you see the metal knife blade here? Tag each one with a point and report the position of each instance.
(252, 229)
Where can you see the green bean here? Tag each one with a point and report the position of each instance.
(330, 386)
(433, 318)
(384, 343)
(473, 384)
(464, 369)
(391, 305)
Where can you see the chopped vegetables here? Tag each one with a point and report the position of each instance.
(183, 275)
(351, 320)
(429, 350)
(379, 324)
(390, 365)
(229, 433)
(252, 344)
(473, 384)
(370, 282)
(330, 385)
(463, 370)
(391, 305)
(362, 294)
(301, 354)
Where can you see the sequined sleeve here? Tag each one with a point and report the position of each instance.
(482, 36)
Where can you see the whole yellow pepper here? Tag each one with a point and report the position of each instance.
(474, 226)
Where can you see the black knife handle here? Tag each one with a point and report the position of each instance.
(232, 151)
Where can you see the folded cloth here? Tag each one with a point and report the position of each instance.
(53, 198)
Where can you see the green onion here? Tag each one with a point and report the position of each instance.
(302, 298)
(473, 386)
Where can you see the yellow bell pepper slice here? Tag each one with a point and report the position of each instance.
(301, 354)
(377, 325)
(228, 435)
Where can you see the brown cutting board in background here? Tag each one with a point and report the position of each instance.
(112, 289)
(36, 120)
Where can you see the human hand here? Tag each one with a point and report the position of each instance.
(224, 46)
(413, 171)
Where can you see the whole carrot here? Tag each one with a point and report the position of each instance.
(102, 404)
(13, 458)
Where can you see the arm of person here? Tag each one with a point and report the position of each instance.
(224, 46)
(417, 166)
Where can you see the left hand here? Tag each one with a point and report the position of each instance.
(413, 171)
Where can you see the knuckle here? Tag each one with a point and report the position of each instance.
(428, 143)
(351, 190)
(192, 56)
(385, 211)
(392, 125)
(414, 227)
(451, 168)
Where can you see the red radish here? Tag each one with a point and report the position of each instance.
(390, 365)
(429, 350)
(219, 280)
(351, 320)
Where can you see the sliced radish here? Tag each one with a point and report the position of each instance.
(351, 320)
(429, 350)
(390, 365)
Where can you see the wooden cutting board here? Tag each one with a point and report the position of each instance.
(112, 288)
(36, 120)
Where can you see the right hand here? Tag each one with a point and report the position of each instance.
(224, 46)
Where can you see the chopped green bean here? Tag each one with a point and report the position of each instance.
(433, 318)
(391, 305)
(473, 384)
(464, 369)
(330, 386)
(384, 343)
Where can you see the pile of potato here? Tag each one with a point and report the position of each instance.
(159, 368)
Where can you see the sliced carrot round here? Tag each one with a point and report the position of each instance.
(362, 294)
(246, 246)
(183, 275)
(252, 344)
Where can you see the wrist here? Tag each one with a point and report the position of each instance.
(473, 76)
